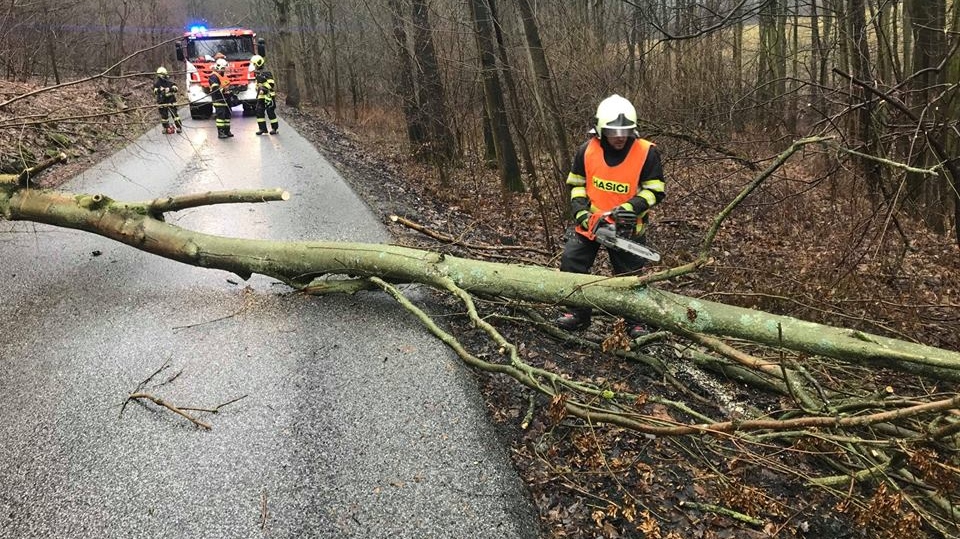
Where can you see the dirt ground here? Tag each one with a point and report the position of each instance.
(592, 480)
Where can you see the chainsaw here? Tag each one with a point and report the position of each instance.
(602, 228)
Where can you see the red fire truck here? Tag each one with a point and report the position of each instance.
(198, 49)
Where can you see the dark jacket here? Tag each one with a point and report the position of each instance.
(219, 87)
(165, 91)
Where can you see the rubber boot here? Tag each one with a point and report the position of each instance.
(637, 329)
(221, 132)
(574, 320)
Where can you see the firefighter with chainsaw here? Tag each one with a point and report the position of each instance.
(166, 93)
(220, 94)
(266, 93)
(615, 179)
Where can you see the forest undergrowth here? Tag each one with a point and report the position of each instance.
(801, 245)
(805, 244)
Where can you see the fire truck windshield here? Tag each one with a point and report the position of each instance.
(234, 48)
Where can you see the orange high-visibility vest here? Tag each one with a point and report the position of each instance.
(222, 81)
(608, 187)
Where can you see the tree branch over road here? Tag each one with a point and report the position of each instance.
(790, 358)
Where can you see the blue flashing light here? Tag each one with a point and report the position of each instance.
(198, 29)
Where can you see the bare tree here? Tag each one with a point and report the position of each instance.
(928, 22)
(291, 85)
(493, 98)
(432, 94)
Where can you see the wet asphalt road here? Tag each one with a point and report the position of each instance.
(354, 421)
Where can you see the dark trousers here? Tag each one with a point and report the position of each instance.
(265, 111)
(579, 254)
(222, 113)
(168, 111)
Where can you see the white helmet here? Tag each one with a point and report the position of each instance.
(220, 64)
(616, 117)
(257, 60)
(162, 71)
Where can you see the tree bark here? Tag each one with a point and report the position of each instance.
(307, 13)
(50, 40)
(405, 89)
(933, 198)
(862, 123)
(432, 93)
(140, 225)
(515, 116)
(286, 48)
(507, 162)
(543, 92)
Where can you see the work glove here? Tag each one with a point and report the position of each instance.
(626, 220)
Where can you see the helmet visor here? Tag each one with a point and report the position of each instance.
(618, 131)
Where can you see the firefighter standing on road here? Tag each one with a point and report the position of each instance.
(166, 93)
(266, 92)
(615, 171)
(219, 91)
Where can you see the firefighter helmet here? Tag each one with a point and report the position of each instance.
(220, 64)
(257, 61)
(616, 117)
(162, 72)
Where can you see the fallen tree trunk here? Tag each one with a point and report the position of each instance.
(141, 225)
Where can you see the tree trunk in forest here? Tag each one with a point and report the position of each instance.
(795, 74)
(883, 65)
(932, 197)
(334, 61)
(119, 35)
(780, 48)
(50, 40)
(507, 162)
(771, 65)
(521, 126)
(908, 32)
(862, 122)
(952, 100)
(548, 109)
(290, 65)
(816, 55)
(505, 69)
(301, 264)
(307, 13)
(842, 35)
(489, 144)
(894, 31)
(405, 89)
(827, 36)
(737, 54)
(432, 93)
